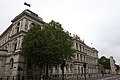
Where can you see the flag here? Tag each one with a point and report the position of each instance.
(27, 4)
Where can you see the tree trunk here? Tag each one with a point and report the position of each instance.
(33, 70)
(24, 68)
(85, 73)
(63, 74)
(47, 66)
(40, 73)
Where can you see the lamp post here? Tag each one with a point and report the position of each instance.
(62, 68)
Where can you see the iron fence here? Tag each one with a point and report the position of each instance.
(23, 78)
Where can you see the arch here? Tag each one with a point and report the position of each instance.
(32, 24)
(11, 63)
(71, 68)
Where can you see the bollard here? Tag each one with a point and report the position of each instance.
(18, 77)
(22, 77)
(13, 78)
(32, 77)
(28, 77)
(40, 78)
(35, 77)
(7, 78)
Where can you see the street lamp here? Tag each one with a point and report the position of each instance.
(62, 68)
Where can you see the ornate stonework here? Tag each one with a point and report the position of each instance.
(112, 66)
(13, 64)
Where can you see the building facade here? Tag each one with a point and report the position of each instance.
(112, 66)
(13, 64)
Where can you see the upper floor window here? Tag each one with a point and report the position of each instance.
(83, 48)
(17, 27)
(80, 47)
(32, 24)
(15, 44)
(81, 58)
(77, 56)
(26, 25)
(77, 46)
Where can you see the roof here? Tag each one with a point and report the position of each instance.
(25, 12)
(30, 14)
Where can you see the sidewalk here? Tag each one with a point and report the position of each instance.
(83, 77)
(88, 77)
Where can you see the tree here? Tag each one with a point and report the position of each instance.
(105, 62)
(48, 44)
(117, 68)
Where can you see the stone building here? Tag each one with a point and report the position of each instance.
(13, 64)
(112, 66)
(84, 54)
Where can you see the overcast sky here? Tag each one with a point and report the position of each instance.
(95, 21)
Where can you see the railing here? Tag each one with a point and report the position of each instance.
(23, 78)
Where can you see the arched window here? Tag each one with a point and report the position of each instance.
(32, 24)
(18, 24)
(11, 63)
(56, 69)
(67, 68)
(71, 68)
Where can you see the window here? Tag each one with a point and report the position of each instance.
(56, 69)
(78, 69)
(77, 56)
(81, 57)
(67, 68)
(15, 44)
(77, 46)
(80, 47)
(11, 63)
(18, 27)
(83, 48)
(32, 24)
(26, 25)
(71, 68)
(84, 58)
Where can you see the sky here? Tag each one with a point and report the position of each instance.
(94, 21)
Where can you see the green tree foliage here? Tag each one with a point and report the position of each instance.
(47, 43)
(105, 62)
(117, 67)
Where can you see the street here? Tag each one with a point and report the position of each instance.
(110, 77)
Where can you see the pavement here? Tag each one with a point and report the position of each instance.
(93, 77)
